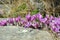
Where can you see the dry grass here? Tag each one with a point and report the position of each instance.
(16, 5)
(52, 7)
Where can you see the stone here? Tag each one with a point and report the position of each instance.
(1, 11)
(37, 4)
(20, 33)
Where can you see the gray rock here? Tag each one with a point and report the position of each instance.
(1, 11)
(38, 4)
(19, 33)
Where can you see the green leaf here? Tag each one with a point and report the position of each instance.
(34, 11)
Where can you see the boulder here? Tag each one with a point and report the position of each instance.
(20, 33)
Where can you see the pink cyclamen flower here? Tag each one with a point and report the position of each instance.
(33, 17)
(43, 20)
(3, 23)
(47, 16)
(23, 22)
(28, 17)
(39, 16)
(57, 30)
(27, 25)
(18, 19)
(53, 28)
(11, 20)
(35, 25)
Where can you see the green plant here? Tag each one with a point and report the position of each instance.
(34, 11)
(21, 7)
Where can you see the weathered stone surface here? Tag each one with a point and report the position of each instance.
(38, 4)
(19, 33)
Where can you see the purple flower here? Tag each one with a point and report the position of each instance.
(57, 30)
(28, 17)
(43, 20)
(18, 19)
(3, 23)
(23, 22)
(11, 20)
(35, 25)
(27, 25)
(47, 16)
(53, 27)
(51, 17)
(33, 17)
(39, 16)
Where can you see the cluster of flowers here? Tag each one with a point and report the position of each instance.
(34, 21)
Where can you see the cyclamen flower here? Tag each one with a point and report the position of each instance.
(18, 19)
(3, 23)
(43, 20)
(51, 17)
(58, 22)
(11, 20)
(35, 25)
(27, 25)
(55, 21)
(33, 17)
(59, 18)
(57, 30)
(39, 16)
(23, 22)
(52, 26)
(47, 16)
(55, 27)
(28, 17)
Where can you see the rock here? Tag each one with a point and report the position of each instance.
(19, 33)
(1, 11)
(37, 4)
(3, 19)
(1, 6)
